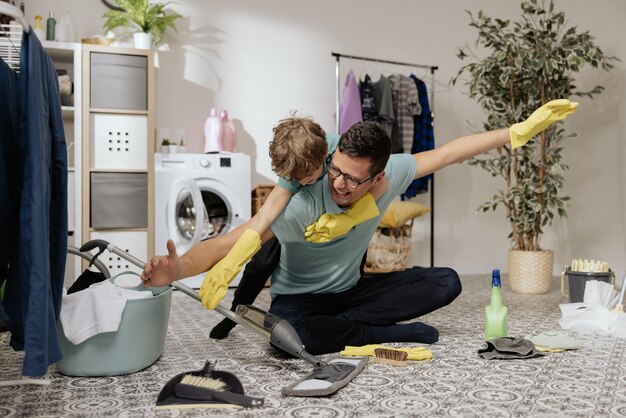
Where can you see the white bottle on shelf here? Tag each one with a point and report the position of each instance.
(212, 133)
(229, 134)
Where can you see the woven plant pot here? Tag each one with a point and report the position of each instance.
(530, 272)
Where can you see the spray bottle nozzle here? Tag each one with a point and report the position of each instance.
(495, 278)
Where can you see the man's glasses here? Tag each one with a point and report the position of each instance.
(336, 172)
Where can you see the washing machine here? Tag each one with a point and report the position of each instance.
(199, 197)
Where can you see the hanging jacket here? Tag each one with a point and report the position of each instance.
(350, 106)
(423, 140)
(9, 168)
(32, 300)
(368, 107)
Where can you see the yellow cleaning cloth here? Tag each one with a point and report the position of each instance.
(545, 349)
(414, 353)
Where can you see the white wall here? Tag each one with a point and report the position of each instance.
(260, 60)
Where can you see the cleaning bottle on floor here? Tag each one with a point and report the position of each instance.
(496, 314)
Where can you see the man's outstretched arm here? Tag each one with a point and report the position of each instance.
(465, 147)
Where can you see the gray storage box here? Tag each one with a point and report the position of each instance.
(119, 81)
(119, 200)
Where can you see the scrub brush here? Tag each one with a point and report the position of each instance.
(391, 357)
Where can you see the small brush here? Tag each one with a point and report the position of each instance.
(391, 357)
(205, 382)
(209, 389)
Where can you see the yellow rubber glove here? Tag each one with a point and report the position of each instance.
(329, 227)
(553, 111)
(216, 281)
(414, 353)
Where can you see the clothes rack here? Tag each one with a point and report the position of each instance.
(432, 69)
(11, 35)
(12, 11)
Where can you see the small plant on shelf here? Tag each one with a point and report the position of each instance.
(147, 17)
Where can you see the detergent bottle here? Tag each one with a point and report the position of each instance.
(51, 24)
(496, 314)
(213, 133)
(229, 134)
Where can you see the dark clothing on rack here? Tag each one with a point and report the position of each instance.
(368, 107)
(424, 139)
(384, 106)
(32, 300)
(9, 168)
(368, 313)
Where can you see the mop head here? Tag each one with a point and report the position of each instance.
(327, 379)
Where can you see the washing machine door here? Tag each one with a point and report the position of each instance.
(186, 216)
(224, 209)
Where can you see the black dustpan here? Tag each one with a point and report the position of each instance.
(177, 395)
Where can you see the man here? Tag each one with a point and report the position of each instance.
(317, 287)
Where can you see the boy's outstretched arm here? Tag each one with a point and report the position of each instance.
(215, 283)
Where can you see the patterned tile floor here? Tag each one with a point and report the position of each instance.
(590, 382)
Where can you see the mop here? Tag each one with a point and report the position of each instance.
(326, 377)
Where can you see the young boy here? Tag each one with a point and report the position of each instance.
(298, 151)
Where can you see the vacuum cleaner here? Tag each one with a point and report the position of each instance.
(326, 377)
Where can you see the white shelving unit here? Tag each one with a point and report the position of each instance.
(118, 151)
(111, 144)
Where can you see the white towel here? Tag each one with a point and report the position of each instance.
(91, 311)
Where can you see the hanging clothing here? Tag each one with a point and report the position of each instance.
(423, 140)
(384, 106)
(350, 106)
(368, 107)
(32, 299)
(9, 168)
(405, 106)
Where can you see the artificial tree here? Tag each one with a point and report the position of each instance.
(528, 62)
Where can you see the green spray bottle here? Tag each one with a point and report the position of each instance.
(496, 314)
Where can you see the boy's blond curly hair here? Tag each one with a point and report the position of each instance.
(298, 148)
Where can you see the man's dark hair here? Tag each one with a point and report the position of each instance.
(367, 139)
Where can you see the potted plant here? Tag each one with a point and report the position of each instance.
(165, 146)
(528, 63)
(149, 19)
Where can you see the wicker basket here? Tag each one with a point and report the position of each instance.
(389, 249)
(530, 272)
(259, 196)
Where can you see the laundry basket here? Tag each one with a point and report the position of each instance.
(389, 249)
(136, 344)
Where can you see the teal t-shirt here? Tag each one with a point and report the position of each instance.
(294, 186)
(330, 267)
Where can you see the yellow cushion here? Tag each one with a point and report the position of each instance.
(398, 213)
